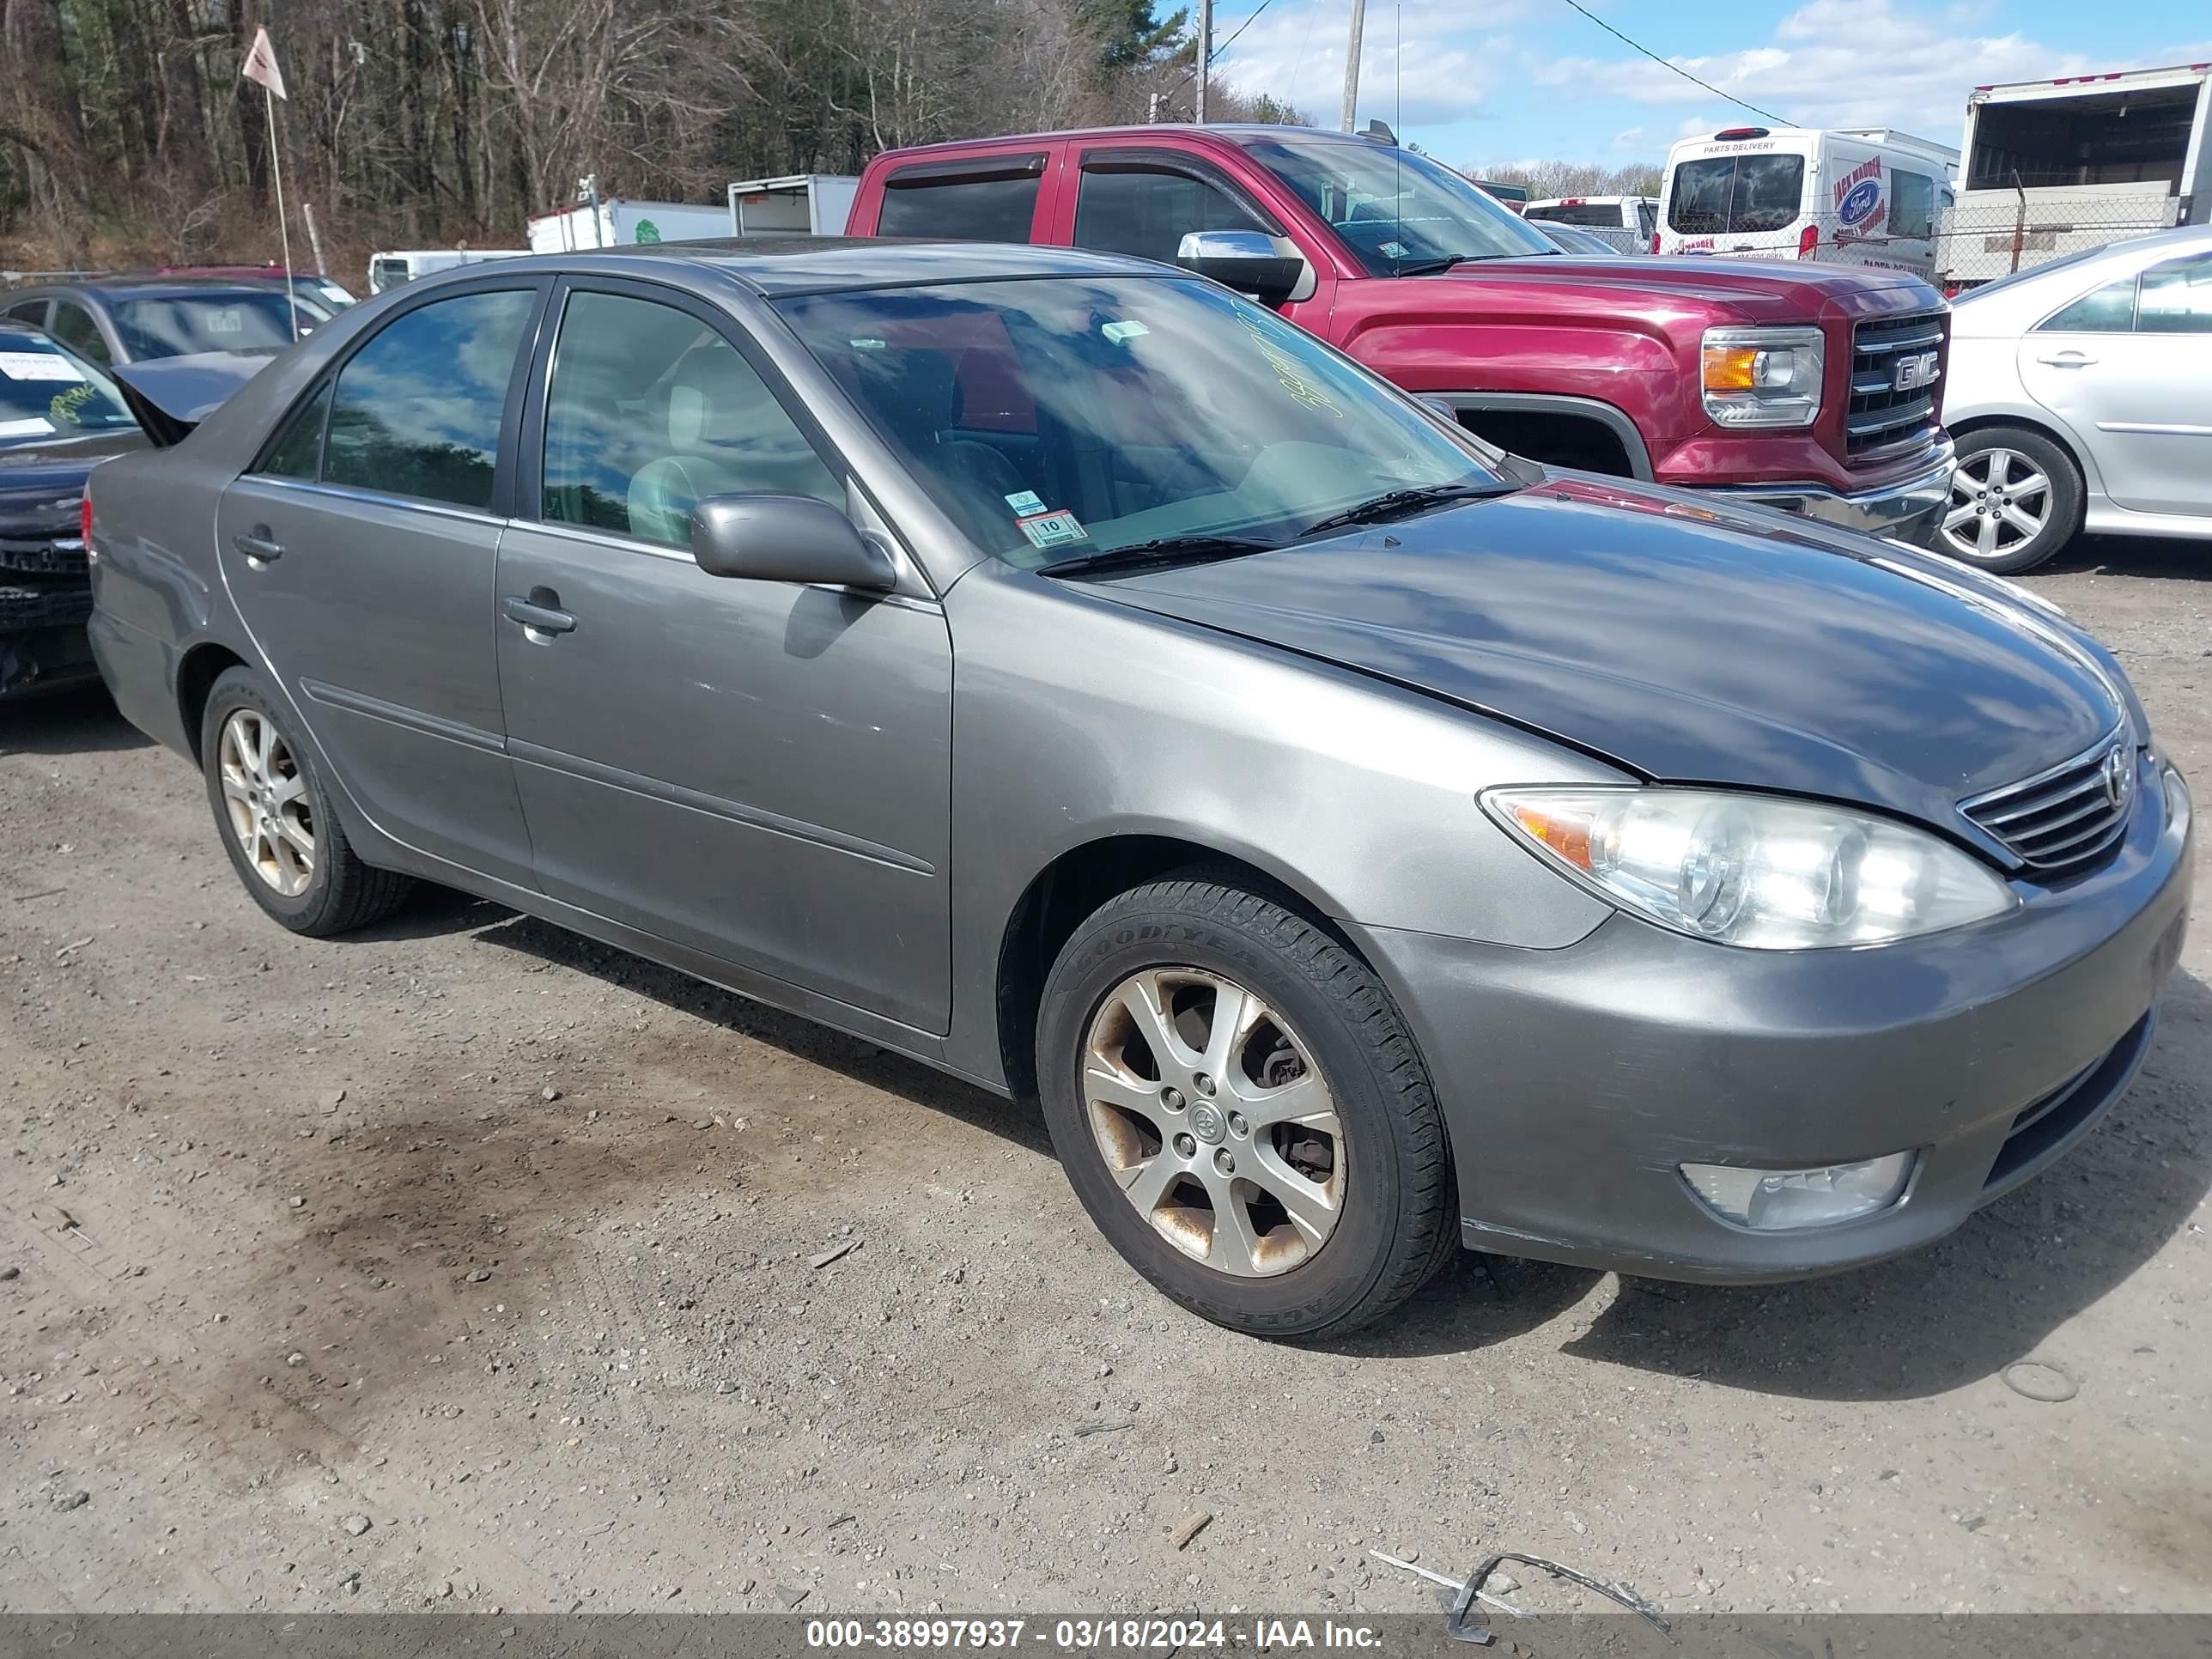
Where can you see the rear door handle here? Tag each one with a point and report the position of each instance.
(2068, 360)
(258, 544)
(541, 612)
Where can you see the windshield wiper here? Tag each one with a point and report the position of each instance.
(1165, 550)
(1396, 503)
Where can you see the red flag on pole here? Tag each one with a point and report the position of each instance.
(261, 64)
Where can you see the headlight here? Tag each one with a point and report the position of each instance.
(1748, 870)
(1762, 376)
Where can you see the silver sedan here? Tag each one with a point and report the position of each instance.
(1059, 670)
(2081, 397)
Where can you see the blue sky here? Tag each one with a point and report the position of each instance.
(1499, 81)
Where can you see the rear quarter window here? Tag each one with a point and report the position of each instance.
(992, 204)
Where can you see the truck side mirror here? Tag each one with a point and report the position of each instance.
(1245, 260)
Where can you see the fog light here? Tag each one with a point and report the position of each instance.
(1778, 1201)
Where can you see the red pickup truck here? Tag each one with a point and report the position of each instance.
(1812, 387)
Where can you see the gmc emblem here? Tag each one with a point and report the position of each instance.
(1915, 372)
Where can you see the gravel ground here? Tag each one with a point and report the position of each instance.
(467, 1264)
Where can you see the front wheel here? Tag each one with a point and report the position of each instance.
(1239, 1106)
(2015, 500)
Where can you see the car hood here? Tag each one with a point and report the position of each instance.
(1753, 288)
(1688, 642)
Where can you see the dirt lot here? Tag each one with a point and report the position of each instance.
(467, 1264)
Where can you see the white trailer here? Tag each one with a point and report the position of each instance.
(617, 223)
(797, 205)
(2060, 166)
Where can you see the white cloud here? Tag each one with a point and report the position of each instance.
(1628, 138)
(1446, 69)
(1843, 63)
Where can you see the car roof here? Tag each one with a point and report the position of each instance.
(1234, 132)
(147, 288)
(12, 328)
(778, 267)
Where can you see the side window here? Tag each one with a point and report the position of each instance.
(417, 411)
(649, 411)
(1912, 206)
(1130, 208)
(296, 451)
(992, 204)
(2176, 298)
(74, 327)
(33, 312)
(2108, 310)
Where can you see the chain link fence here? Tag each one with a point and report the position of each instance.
(1992, 234)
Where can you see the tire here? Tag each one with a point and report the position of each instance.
(328, 892)
(1170, 948)
(2010, 477)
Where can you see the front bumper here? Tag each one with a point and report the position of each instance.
(1576, 1082)
(1908, 510)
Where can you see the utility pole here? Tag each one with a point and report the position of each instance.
(315, 239)
(1205, 53)
(1352, 64)
(1152, 111)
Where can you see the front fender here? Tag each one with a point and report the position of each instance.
(1077, 719)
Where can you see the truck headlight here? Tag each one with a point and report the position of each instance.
(1751, 870)
(1762, 377)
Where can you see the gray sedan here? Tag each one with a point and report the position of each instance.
(1056, 669)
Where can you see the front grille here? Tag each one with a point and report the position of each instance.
(1880, 420)
(2060, 820)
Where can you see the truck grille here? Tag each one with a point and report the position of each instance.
(2060, 820)
(1884, 419)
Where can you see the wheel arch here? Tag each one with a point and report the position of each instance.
(197, 673)
(1077, 882)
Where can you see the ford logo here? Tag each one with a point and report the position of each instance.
(1859, 202)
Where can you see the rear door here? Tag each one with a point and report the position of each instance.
(361, 551)
(2129, 367)
(759, 771)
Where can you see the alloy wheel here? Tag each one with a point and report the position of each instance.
(265, 797)
(1214, 1121)
(2000, 502)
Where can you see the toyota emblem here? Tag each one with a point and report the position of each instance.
(2117, 777)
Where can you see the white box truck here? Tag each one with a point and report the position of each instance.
(616, 223)
(2054, 167)
(797, 205)
(1855, 196)
(397, 266)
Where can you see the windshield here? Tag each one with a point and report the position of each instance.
(231, 319)
(1058, 418)
(47, 392)
(1396, 210)
(1724, 195)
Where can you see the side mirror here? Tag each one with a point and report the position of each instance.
(1244, 260)
(787, 538)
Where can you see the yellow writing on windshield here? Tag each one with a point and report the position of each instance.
(1287, 367)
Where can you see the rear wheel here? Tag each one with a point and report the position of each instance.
(2015, 500)
(277, 820)
(1240, 1108)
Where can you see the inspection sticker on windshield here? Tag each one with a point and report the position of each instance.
(1027, 500)
(37, 366)
(1053, 529)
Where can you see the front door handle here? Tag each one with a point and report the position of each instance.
(541, 612)
(2068, 360)
(257, 544)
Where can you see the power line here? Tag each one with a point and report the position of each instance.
(1665, 63)
(1240, 28)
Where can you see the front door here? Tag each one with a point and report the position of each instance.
(361, 551)
(757, 771)
(2131, 373)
